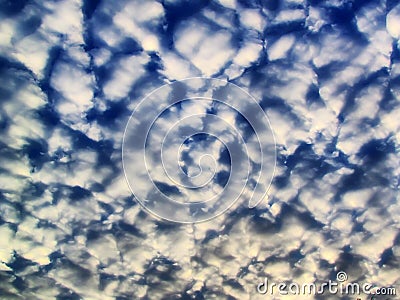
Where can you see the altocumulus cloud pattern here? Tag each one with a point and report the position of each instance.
(195, 120)
(327, 75)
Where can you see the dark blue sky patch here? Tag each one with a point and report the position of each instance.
(281, 29)
(34, 189)
(272, 5)
(329, 70)
(93, 234)
(303, 152)
(246, 129)
(164, 227)
(30, 25)
(166, 273)
(19, 263)
(89, 7)
(309, 220)
(105, 279)
(279, 105)
(378, 77)
(55, 53)
(313, 96)
(362, 177)
(155, 63)
(210, 235)
(11, 8)
(357, 5)
(375, 151)
(264, 226)
(225, 157)
(348, 262)
(92, 40)
(394, 85)
(36, 151)
(222, 178)
(176, 12)
(112, 116)
(78, 193)
(281, 181)
(80, 140)
(250, 4)
(388, 258)
(179, 92)
(343, 15)
(48, 116)
(122, 228)
(295, 256)
(97, 187)
(108, 209)
(14, 76)
(166, 189)
(128, 46)
(103, 74)
(105, 151)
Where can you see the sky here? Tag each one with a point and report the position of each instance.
(95, 100)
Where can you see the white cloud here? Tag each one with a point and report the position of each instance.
(290, 15)
(65, 18)
(251, 18)
(249, 53)
(126, 72)
(208, 50)
(280, 48)
(76, 86)
(393, 22)
(176, 67)
(140, 24)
